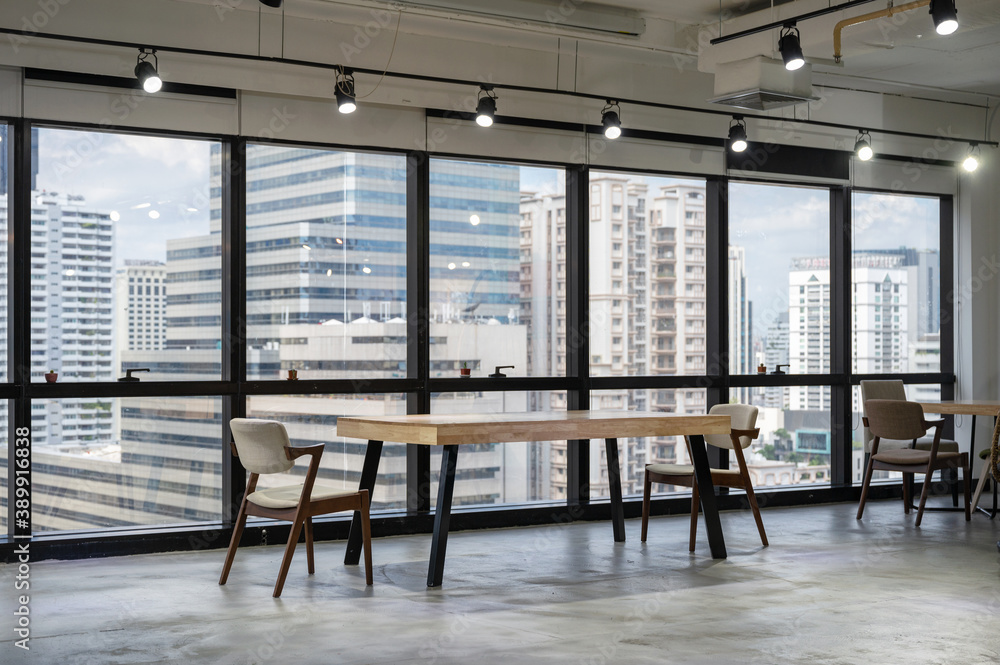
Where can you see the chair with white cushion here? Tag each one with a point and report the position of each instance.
(264, 448)
(743, 419)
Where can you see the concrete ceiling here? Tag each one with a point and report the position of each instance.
(889, 55)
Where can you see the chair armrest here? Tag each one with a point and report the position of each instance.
(864, 421)
(232, 448)
(934, 423)
(752, 433)
(294, 452)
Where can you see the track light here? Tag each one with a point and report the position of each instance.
(791, 51)
(487, 106)
(345, 91)
(271, 3)
(146, 72)
(971, 162)
(863, 146)
(945, 16)
(609, 118)
(737, 134)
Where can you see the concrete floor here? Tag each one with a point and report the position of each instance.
(829, 589)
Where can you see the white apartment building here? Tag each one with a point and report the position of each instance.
(647, 305)
(72, 322)
(141, 302)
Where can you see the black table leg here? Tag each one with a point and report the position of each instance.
(615, 485)
(442, 515)
(703, 476)
(368, 472)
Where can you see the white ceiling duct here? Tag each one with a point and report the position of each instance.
(554, 13)
(761, 84)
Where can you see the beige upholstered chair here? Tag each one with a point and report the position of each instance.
(743, 418)
(263, 447)
(893, 389)
(894, 419)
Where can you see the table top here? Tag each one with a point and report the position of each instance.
(968, 407)
(442, 430)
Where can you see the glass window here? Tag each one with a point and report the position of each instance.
(635, 453)
(312, 419)
(664, 311)
(106, 208)
(794, 445)
(897, 260)
(779, 285)
(497, 281)
(326, 263)
(503, 473)
(100, 463)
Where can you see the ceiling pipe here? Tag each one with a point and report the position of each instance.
(865, 18)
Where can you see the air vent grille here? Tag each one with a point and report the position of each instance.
(760, 100)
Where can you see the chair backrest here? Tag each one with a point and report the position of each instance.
(885, 389)
(895, 419)
(261, 445)
(742, 416)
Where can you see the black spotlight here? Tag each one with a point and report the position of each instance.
(611, 121)
(345, 92)
(487, 106)
(863, 146)
(145, 71)
(737, 134)
(271, 3)
(945, 16)
(791, 51)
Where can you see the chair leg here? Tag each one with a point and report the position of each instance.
(752, 498)
(907, 486)
(309, 544)
(923, 495)
(234, 542)
(864, 487)
(694, 515)
(967, 482)
(366, 536)
(647, 487)
(953, 481)
(286, 562)
(983, 477)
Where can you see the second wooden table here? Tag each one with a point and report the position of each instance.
(450, 431)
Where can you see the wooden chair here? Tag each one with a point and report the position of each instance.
(894, 419)
(743, 418)
(894, 389)
(264, 448)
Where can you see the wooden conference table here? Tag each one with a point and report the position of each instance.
(974, 407)
(450, 431)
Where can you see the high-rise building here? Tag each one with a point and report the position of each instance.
(72, 325)
(647, 305)
(141, 299)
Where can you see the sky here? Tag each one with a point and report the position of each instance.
(133, 176)
(139, 176)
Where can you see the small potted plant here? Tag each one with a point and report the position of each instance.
(51, 376)
(465, 370)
